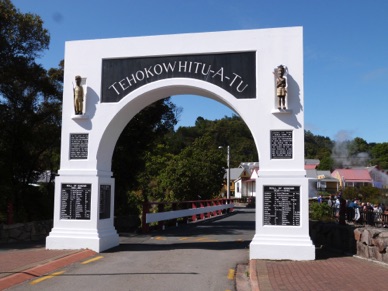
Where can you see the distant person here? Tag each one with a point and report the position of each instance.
(357, 214)
(350, 210)
(342, 210)
(369, 213)
(337, 204)
(330, 202)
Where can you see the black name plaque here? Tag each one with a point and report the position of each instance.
(105, 197)
(75, 201)
(282, 205)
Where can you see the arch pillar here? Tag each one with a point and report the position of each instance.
(90, 227)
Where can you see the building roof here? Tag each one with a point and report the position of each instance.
(249, 165)
(352, 175)
(311, 173)
(323, 174)
(310, 164)
(235, 173)
(326, 176)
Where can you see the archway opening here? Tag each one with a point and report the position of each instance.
(156, 160)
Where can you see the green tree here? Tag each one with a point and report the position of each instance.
(326, 163)
(29, 108)
(358, 145)
(197, 172)
(321, 211)
(364, 193)
(359, 152)
(316, 146)
(379, 154)
(138, 140)
(230, 131)
(234, 132)
(310, 146)
(141, 168)
(22, 36)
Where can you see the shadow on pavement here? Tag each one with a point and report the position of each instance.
(22, 245)
(210, 234)
(325, 253)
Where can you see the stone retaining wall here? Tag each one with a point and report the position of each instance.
(39, 230)
(21, 232)
(372, 243)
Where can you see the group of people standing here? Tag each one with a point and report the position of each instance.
(355, 211)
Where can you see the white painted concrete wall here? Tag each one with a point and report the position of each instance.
(104, 123)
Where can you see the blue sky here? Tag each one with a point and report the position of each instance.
(345, 49)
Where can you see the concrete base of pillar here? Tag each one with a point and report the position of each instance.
(96, 240)
(298, 248)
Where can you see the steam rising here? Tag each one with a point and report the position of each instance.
(341, 155)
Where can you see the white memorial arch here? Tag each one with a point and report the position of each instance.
(122, 76)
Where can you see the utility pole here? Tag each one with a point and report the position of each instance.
(228, 175)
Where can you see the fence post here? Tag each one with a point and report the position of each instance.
(10, 213)
(174, 207)
(208, 214)
(218, 203)
(231, 201)
(194, 216)
(202, 215)
(214, 213)
(145, 226)
(160, 209)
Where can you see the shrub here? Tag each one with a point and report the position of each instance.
(321, 211)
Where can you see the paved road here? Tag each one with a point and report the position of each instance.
(200, 256)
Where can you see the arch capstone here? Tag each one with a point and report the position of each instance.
(236, 68)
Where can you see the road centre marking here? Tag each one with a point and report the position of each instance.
(92, 260)
(46, 277)
(160, 238)
(204, 239)
(231, 274)
(201, 239)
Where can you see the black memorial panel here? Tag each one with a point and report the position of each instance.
(282, 205)
(105, 197)
(281, 144)
(75, 201)
(79, 146)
